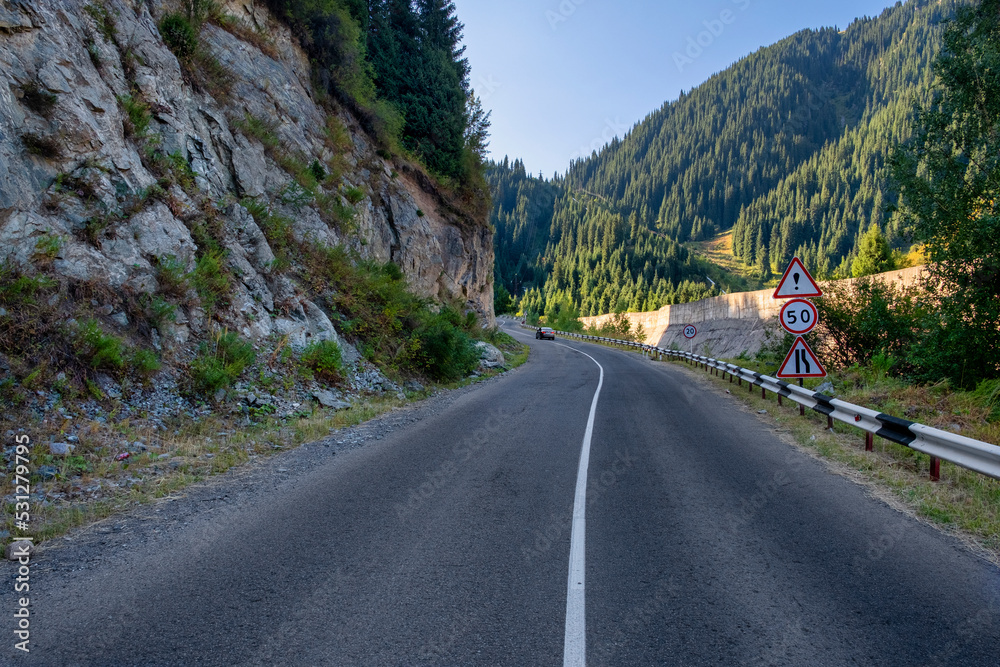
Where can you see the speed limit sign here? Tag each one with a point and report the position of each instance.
(690, 331)
(798, 316)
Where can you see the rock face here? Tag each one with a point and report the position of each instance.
(76, 168)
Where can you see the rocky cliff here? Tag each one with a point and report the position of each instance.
(119, 162)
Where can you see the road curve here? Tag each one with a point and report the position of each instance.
(709, 541)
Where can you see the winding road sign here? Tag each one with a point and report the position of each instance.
(796, 282)
(798, 316)
(801, 362)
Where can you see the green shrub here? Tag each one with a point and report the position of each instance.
(137, 115)
(171, 276)
(103, 352)
(324, 359)
(334, 212)
(144, 362)
(47, 247)
(881, 365)
(354, 195)
(446, 352)
(277, 230)
(867, 318)
(987, 393)
(211, 279)
(208, 231)
(264, 131)
(317, 171)
(391, 326)
(179, 35)
(18, 290)
(175, 168)
(257, 208)
(200, 11)
(81, 187)
(94, 226)
(159, 311)
(209, 74)
(387, 123)
(220, 361)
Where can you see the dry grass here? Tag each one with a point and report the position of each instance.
(247, 33)
(719, 251)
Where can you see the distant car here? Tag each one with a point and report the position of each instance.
(545, 332)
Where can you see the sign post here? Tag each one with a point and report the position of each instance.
(798, 317)
(690, 331)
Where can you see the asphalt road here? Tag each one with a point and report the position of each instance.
(709, 541)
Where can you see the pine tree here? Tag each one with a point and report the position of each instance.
(874, 254)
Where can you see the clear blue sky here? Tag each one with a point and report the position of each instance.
(564, 76)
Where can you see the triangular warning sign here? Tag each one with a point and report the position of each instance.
(796, 282)
(801, 362)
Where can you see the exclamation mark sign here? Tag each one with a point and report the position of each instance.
(795, 277)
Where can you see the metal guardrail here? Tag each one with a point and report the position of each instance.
(982, 457)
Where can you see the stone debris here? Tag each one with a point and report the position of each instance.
(61, 448)
(490, 356)
(330, 400)
(826, 388)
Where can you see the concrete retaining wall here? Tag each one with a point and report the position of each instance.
(727, 324)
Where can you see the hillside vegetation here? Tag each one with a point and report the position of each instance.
(788, 148)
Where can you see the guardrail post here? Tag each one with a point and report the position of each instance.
(763, 392)
(869, 442)
(829, 422)
(935, 469)
(802, 408)
(779, 400)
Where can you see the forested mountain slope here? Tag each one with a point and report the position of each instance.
(787, 148)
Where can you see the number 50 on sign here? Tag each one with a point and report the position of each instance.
(798, 316)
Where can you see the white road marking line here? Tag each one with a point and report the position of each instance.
(575, 637)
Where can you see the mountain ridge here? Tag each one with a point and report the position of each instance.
(810, 118)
